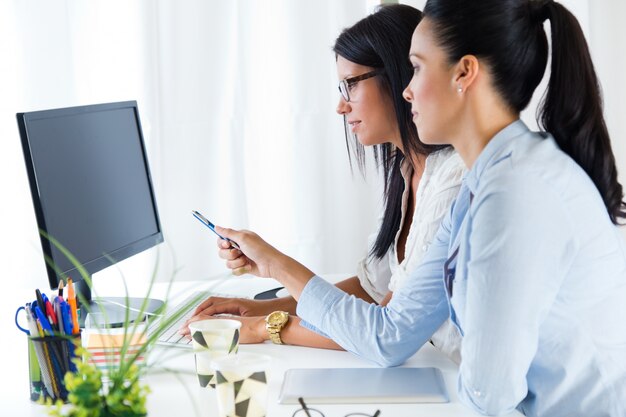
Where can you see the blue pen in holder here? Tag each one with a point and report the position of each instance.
(54, 355)
(50, 356)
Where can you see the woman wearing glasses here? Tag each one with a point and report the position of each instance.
(421, 181)
(533, 267)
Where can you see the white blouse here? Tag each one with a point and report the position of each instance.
(436, 191)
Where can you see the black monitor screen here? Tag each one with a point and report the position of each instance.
(90, 183)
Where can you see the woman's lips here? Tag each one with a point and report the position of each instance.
(354, 125)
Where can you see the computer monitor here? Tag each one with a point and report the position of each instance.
(92, 192)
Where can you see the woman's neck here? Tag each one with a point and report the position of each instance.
(477, 127)
(418, 163)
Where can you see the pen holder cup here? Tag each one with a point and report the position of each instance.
(49, 359)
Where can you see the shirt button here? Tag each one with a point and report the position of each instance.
(424, 248)
(478, 393)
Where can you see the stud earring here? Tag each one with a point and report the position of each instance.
(459, 89)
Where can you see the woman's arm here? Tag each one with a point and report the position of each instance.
(394, 332)
(244, 307)
(253, 331)
(294, 334)
(250, 308)
(353, 286)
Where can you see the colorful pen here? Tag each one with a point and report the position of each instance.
(41, 358)
(71, 299)
(52, 318)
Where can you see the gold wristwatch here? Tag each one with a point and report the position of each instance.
(274, 323)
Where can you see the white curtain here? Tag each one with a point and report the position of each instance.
(237, 101)
(252, 139)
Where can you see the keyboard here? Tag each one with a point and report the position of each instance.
(171, 337)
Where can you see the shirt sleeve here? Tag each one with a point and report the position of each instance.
(309, 326)
(394, 332)
(519, 252)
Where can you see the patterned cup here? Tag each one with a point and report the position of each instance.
(212, 339)
(241, 384)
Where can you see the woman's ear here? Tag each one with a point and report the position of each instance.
(465, 73)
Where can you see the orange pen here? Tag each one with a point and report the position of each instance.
(71, 299)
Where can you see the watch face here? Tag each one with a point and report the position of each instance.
(277, 317)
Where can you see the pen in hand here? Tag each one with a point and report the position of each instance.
(211, 226)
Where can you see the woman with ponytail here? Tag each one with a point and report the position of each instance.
(528, 264)
(535, 265)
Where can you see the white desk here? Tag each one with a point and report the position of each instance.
(182, 396)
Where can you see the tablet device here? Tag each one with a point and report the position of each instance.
(363, 385)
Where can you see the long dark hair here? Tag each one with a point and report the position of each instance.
(382, 40)
(509, 36)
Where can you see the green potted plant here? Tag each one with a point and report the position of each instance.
(119, 391)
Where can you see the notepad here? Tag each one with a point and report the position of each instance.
(363, 385)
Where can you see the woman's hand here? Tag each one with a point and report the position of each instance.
(252, 328)
(255, 256)
(244, 306)
(259, 258)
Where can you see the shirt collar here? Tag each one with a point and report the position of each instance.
(493, 151)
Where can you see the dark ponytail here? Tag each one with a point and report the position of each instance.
(382, 40)
(572, 107)
(509, 36)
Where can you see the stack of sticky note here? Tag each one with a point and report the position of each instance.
(105, 346)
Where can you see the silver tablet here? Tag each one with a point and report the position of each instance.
(363, 385)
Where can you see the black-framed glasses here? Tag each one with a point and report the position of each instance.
(305, 411)
(348, 84)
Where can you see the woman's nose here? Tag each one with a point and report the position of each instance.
(343, 107)
(408, 96)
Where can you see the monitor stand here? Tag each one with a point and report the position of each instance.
(113, 308)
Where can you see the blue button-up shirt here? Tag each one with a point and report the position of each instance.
(537, 288)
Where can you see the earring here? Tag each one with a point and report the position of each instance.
(459, 89)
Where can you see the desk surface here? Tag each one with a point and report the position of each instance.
(181, 394)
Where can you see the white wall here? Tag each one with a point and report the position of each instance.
(607, 39)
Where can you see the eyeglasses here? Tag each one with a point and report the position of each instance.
(347, 85)
(312, 412)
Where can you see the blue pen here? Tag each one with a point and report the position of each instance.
(68, 326)
(43, 321)
(67, 317)
(64, 345)
(211, 226)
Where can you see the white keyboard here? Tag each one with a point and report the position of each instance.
(171, 337)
